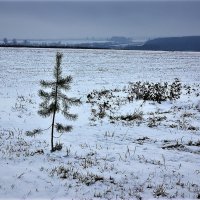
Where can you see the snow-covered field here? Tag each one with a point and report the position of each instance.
(157, 155)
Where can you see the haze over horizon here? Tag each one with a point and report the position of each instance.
(100, 19)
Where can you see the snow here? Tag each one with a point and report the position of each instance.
(100, 159)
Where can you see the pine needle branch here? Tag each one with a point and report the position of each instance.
(61, 128)
(47, 84)
(69, 116)
(36, 131)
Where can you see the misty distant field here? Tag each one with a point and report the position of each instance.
(144, 159)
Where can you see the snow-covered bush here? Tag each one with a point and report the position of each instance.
(155, 91)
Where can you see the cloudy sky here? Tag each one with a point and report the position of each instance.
(80, 19)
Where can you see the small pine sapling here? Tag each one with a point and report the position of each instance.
(55, 100)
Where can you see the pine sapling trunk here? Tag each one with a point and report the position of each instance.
(54, 114)
(52, 130)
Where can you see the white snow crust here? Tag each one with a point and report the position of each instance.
(99, 159)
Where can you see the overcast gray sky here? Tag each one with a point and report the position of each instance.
(79, 19)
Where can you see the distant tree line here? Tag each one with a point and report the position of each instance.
(14, 42)
(26, 43)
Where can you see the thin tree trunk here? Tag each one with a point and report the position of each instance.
(54, 114)
(52, 130)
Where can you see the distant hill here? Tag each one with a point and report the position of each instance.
(187, 43)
